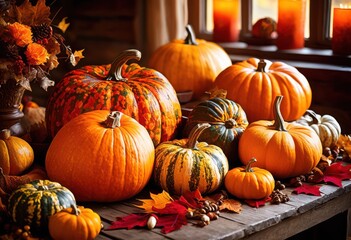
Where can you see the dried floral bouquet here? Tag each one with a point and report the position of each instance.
(29, 46)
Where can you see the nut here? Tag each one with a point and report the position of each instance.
(151, 222)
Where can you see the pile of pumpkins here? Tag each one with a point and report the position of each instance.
(116, 127)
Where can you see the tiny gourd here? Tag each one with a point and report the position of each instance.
(249, 182)
(16, 155)
(75, 222)
(283, 148)
(185, 165)
(326, 126)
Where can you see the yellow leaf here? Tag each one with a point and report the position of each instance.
(157, 200)
(231, 205)
(76, 57)
(63, 25)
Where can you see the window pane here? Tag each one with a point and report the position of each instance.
(269, 8)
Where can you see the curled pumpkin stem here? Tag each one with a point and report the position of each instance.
(278, 118)
(116, 67)
(195, 134)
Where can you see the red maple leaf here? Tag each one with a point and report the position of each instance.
(257, 203)
(130, 221)
(337, 172)
(308, 189)
(171, 222)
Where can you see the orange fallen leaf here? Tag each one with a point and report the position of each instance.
(63, 25)
(157, 200)
(230, 205)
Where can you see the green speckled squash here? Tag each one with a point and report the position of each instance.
(141, 93)
(32, 203)
(228, 121)
(186, 165)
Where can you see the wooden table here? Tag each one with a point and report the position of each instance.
(321, 216)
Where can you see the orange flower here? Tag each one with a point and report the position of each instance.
(21, 34)
(36, 54)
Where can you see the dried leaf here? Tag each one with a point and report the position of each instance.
(230, 205)
(29, 14)
(171, 223)
(257, 203)
(157, 200)
(130, 221)
(63, 25)
(337, 172)
(176, 207)
(308, 189)
(76, 57)
(45, 82)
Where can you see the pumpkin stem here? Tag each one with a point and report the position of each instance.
(75, 209)
(5, 134)
(278, 118)
(195, 134)
(261, 66)
(116, 67)
(313, 115)
(113, 120)
(248, 166)
(230, 123)
(190, 38)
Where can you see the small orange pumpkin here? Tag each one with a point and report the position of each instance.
(254, 84)
(285, 149)
(16, 155)
(75, 222)
(249, 182)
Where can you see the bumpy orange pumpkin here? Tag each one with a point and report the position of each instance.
(75, 222)
(284, 149)
(255, 83)
(101, 156)
(142, 93)
(249, 182)
(191, 64)
(16, 155)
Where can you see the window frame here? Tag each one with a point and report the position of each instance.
(317, 47)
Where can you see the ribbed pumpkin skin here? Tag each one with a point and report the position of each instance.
(256, 90)
(99, 163)
(67, 224)
(284, 154)
(180, 167)
(190, 67)
(16, 155)
(256, 184)
(228, 121)
(31, 204)
(147, 96)
(284, 149)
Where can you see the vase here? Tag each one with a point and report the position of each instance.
(11, 94)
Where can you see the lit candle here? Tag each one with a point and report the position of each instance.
(291, 24)
(341, 41)
(226, 20)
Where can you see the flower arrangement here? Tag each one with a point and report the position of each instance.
(29, 46)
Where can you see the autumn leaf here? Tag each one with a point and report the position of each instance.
(130, 221)
(257, 203)
(230, 205)
(337, 172)
(29, 14)
(157, 200)
(63, 25)
(176, 207)
(76, 57)
(170, 223)
(308, 189)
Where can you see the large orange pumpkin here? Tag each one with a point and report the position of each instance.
(284, 149)
(190, 64)
(142, 93)
(101, 156)
(255, 83)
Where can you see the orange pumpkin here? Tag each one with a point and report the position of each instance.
(101, 156)
(249, 182)
(75, 222)
(16, 155)
(255, 83)
(284, 149)
(190, 64)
